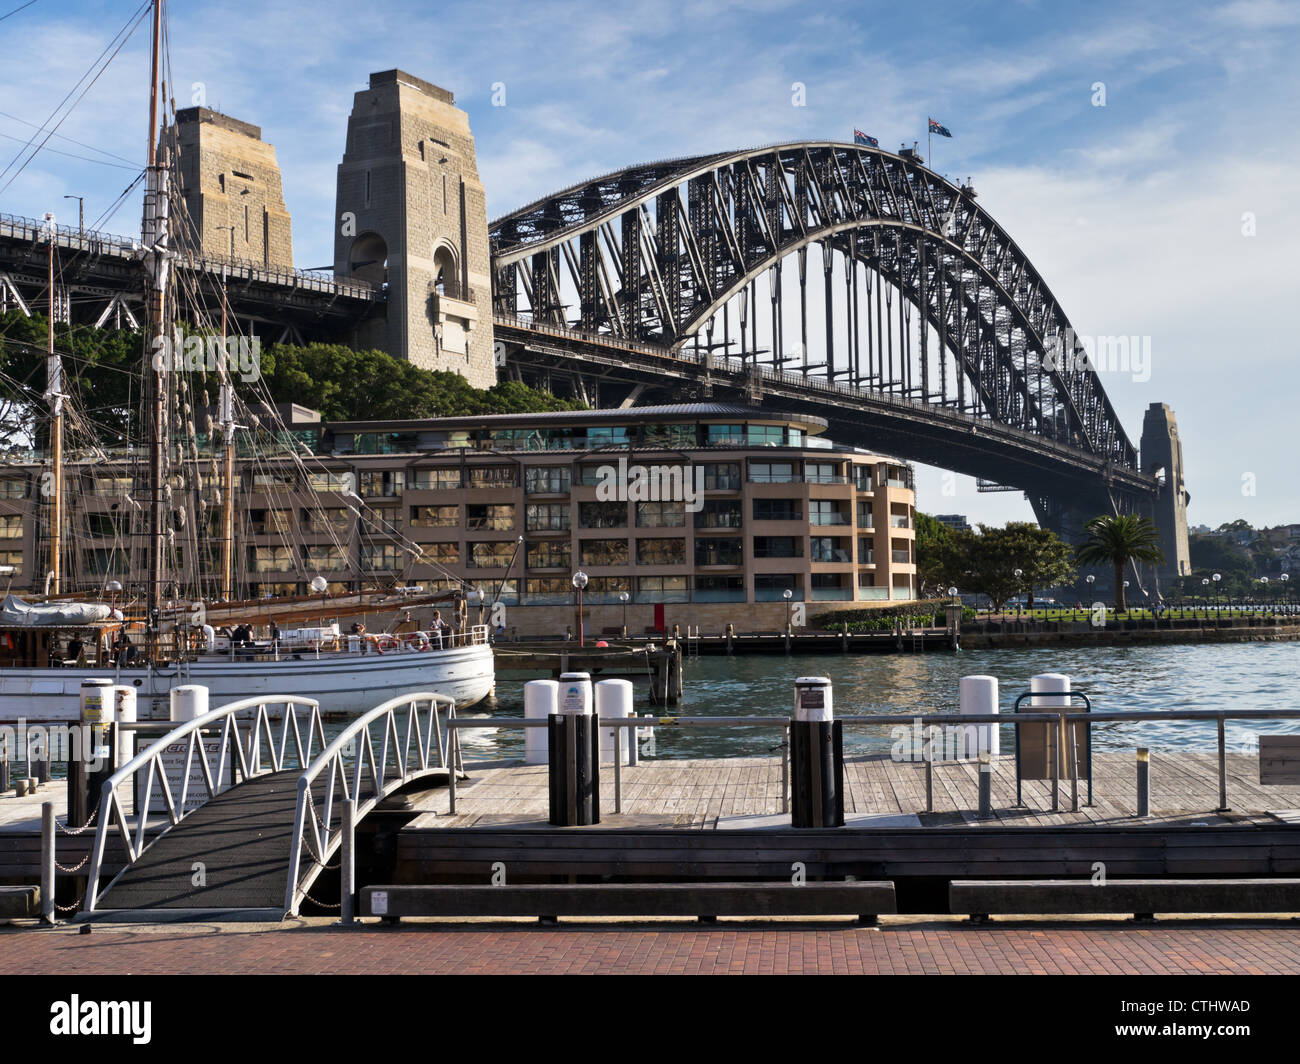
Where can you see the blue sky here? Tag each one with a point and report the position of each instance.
(1134, 212)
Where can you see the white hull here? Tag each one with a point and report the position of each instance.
(342, 682)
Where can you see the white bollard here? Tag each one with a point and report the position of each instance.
(124, 711)
(614, 702)
(1047, 684)
(978, 694)
(188, 702)
(575, 694)
(813, 699)
(541, 699)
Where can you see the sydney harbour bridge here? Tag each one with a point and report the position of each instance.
(839, 280)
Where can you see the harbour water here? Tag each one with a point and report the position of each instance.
(1235, 676)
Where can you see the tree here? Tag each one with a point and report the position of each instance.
(985, 563)
(1118, 540)
(934, 554)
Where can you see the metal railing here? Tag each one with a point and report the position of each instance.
(240, 749)
(356, 776)
(1062, 759)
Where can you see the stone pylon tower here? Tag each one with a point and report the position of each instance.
(411, 213)
(230, 185)
(1162, 455)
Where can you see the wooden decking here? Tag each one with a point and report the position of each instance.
(711, 793)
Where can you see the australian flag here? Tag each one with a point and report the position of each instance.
(939, 130)
(861, 138)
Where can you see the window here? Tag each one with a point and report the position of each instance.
(270, 522)
(383, 484)
(822, 473)
(778, 546)
(825, 512)
(102, 562)
(719, 589)
(320, 521)
(719, 550)
(661, 589)
(493, 477)
(546, 517)
(719, 513)
(271, 482)
(490, 555)
(603, 552)
(490, 517)
(16, 487)
(726, 436)
(12, 558)
(380, 519)
(272, 560)
(590, 475)
(661, 552)
(778, 510)
(345, 483)
(441, 553)
(602, 515)
(766, 435)
(549, 554)
(547, 480)
(721, 476)
(556, 588)
(668, 435)
(433, 479)
(866, 519)
(383, 556)
(327, 559)
(866, 551)
(772, 473)
(608, 586)
(828, 549)
(660, 515)
(862, 477)
(771, 587)
(435, 516)
(100, 526)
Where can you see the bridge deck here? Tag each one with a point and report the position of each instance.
(241, 838)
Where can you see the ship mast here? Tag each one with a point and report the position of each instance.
(155, 236)
(54, 394)
(227, 412)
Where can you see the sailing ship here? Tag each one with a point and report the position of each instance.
(182, 626)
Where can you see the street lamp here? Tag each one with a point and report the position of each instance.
(1216, 578)
(623, 596)
(1092, 579)
(1285, 577)
(1264, 589)
(579, 582)
(1126, 596)
(81, 215)
(1018, 573)
(787, 594)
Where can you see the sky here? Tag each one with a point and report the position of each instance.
(1145, 157)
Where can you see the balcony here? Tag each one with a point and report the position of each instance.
(898, 521)
(902, 557)
(832, 594)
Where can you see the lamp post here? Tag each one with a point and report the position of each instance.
(1263, 582)
(1285, 577)
(1216, 578)
(81, 215)
(787, 594)
(579, 582)
(1205, 594)
(1126, 609)
(623, 596)
(1018, 573)
(1092, 579)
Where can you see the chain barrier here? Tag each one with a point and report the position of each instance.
(75, 868)
(322, 904)
(81, 830)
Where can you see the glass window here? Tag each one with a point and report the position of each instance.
(331, 520)
(493, 476)
(828, 549)
(602, 515)
(866, 517)
(660, 515)
(329, 559)
(435, 516)
(382, 483)
(380, 519)
(825, 512)
(549, 554)
(866, 551)
(443, 553)
(101, 526)
(726, 435)
(603, 552)
(719, 513)
(772, 473)
(546, 517)
(270, 522)
(433, 479)
(16, 487)
(822, 472)
(345, 483)
(719, 589)
(490, 517)
(383, 556)
(661, 589)
(862, 477)
(668, 435)
(547, 480)
(766, 435)
(778, 546)
(721, 476)
(719, 550)
(490, 555)
(778, 510)
(272, 560)
(102, 562)
(661, 552)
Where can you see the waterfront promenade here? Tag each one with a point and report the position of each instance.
(900, 946)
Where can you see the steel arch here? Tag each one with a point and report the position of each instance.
(721, 221)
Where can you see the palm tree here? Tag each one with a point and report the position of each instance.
(1118, 540)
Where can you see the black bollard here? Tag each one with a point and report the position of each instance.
(816, 757)
(573, 755)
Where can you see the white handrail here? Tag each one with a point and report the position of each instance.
(112, 813)
(348, 759)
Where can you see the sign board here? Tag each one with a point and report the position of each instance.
(173, 759)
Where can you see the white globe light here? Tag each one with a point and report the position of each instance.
(787, 594)
(319, 584)
(579, 579)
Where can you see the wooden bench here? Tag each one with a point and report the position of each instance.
(705, 901)
(17, 902)
(1141, 897)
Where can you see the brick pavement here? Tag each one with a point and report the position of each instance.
(901, 947)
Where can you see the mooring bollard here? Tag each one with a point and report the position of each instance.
(86, 767)
(573, 756)
(816, 756)
(978, 695)
(986, 786)
(1143, 781)
(124, 712)
(47, 863)
(348, 866)
(614, 702)
(541, 697)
